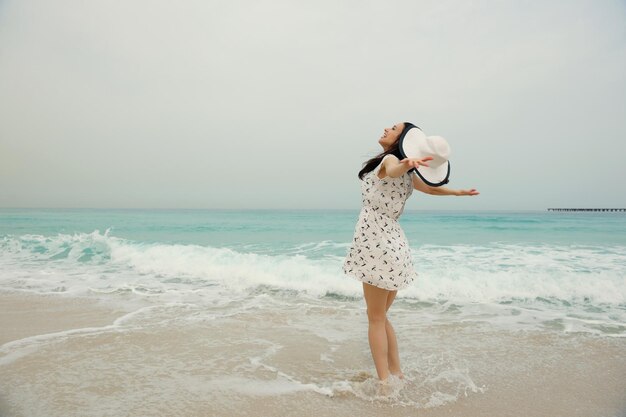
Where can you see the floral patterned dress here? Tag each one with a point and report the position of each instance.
(379, 253)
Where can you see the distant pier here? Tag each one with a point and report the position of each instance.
(586, 209)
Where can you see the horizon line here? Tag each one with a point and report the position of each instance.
(257, 209)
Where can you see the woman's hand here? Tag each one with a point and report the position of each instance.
(415, 163)
(471, 191)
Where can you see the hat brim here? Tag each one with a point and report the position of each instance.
(435, 177)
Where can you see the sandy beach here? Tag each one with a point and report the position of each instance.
(65, 356)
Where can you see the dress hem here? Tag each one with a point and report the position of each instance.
(400, 287)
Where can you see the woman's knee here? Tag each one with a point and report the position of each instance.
(376, 300)
(376, 316)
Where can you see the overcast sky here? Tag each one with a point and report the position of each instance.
(276, 104)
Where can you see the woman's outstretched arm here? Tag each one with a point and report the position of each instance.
(450, 191)
(420, 185)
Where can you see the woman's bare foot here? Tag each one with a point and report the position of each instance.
(383, 387)
(398, 374)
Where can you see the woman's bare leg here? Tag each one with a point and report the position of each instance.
(393, 358)
(376, 300)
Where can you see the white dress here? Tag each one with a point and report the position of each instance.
(379, 253)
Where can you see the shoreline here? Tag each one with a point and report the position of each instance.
(26, 314)
(556, 375)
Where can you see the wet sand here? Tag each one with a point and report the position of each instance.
(267, 363)
(25, 315)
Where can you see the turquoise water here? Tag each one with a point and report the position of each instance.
(275, 230)
(245, 307)
(563, 264)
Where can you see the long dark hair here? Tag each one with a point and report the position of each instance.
(394, 149)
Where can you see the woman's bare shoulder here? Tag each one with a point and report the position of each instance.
(386, 162)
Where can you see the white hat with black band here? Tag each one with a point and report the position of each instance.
(415, 144)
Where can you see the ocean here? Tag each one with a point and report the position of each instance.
(233, 306)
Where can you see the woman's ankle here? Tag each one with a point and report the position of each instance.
(398, 374)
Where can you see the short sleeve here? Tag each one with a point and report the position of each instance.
(377, 169)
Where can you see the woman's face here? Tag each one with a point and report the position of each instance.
(390, 135)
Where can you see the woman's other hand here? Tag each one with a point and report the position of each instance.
(471, 191)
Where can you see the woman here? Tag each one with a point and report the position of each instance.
(379, 256)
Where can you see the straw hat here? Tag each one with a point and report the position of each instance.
(415, 144)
